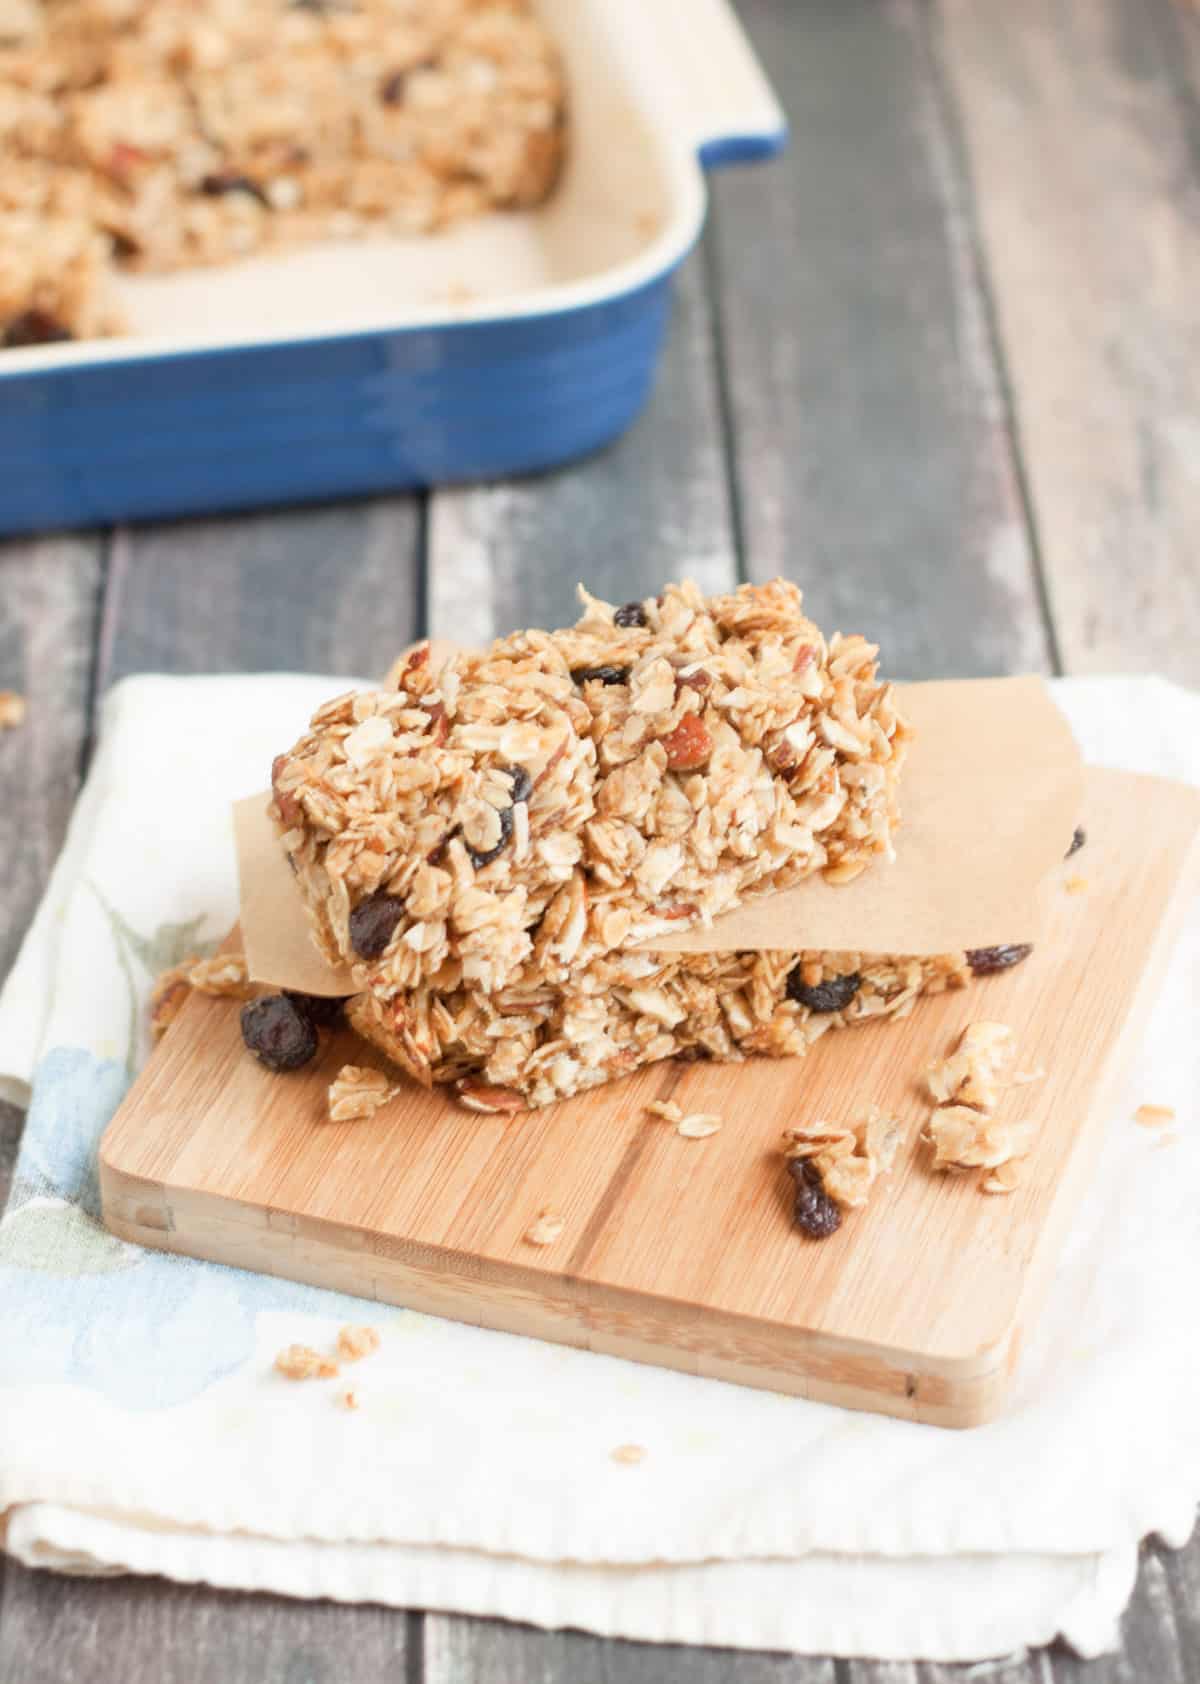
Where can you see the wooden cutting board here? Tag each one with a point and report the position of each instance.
(676, 1251)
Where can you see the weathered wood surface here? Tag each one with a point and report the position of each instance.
(964, 351)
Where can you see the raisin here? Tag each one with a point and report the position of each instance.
(832, 995)
(1077, 841)
(521, 781)
(813, 1212)
(326, 1011)
(229, 181)
(372, 923)
(689, 745)
(35, 327)
(278, 1032)
(984, 960)
(485, 858)
(605, 675)
(630, 614)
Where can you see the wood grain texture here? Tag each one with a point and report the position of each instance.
(871, 448)
(915, 1308)
(330, 589)
(145, 1631)
(459, 1651)
(1083, 132)
(651, 507)
(48, 596)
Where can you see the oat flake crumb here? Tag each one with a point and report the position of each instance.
(665, 1108)
(301, 1362)
(1154, 1116)
(699, 1125)
(348, 1399)
(355, 1094)
(354, 1343)
(629, 1455)
(12, 710)
(1005, 1178)
(544, 1229)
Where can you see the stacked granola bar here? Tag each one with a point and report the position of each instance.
(159, 134)
(486, 845)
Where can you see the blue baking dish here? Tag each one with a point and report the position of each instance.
(509, 344)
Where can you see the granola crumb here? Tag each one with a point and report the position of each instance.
(666, 1109)
(354, 1343)
(224, 975)
(348, 1398)
(301, 1362)
(544, 1229)
(843, 1161)
(629, 1455)
(12, 710)
(699, 1125)
(966, 1091)
(1076, 885)
(356, 1094)
(1154, 1116)
(1005, 1178)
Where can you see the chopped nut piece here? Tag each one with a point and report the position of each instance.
(356, 1093)
(12, 710)
(544, 1229)
(629, 1455)
(1005, 1178)
(301, 1362)
(698, 1126)
(354, 1343)
(1154, 1116)
(665, 1108)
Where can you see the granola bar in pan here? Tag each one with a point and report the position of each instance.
(169, 133)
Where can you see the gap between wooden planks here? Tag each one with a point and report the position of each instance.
(682, 1252)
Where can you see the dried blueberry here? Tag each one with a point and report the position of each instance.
(630, 614)
(984, 960)
(605, 675)
(229, 181)
(832, 995)
(485, 858)
(521, 781)
(278, 1032)
(326, 1011)
(372, 923)
(35, 327)
(1077, 841)
(813, 1212)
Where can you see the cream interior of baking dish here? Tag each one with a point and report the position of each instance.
(648, 81)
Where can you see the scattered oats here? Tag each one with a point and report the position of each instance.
(348, 1398)
(12, 710)
(1076, 885)
(544, 1229)
(356, 1093)
(354, 1343)
(963, 1131)
(1005, 1178)
(1154, 1116)
(665, 1108)
(848, 1158)
(629, 1454)
(699, 1125)
(301, 1362)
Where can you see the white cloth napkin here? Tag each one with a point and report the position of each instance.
(142, 1427)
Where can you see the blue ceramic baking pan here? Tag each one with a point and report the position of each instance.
(508, 344)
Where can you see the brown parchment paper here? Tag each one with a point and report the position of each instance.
(989, 797)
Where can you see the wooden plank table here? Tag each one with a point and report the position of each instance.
(938, 364)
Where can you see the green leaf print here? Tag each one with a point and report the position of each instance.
(170, 944)
(59, 1239)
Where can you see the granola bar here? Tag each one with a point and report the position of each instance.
(533, 1045)
(503, 824)
(160, 134)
